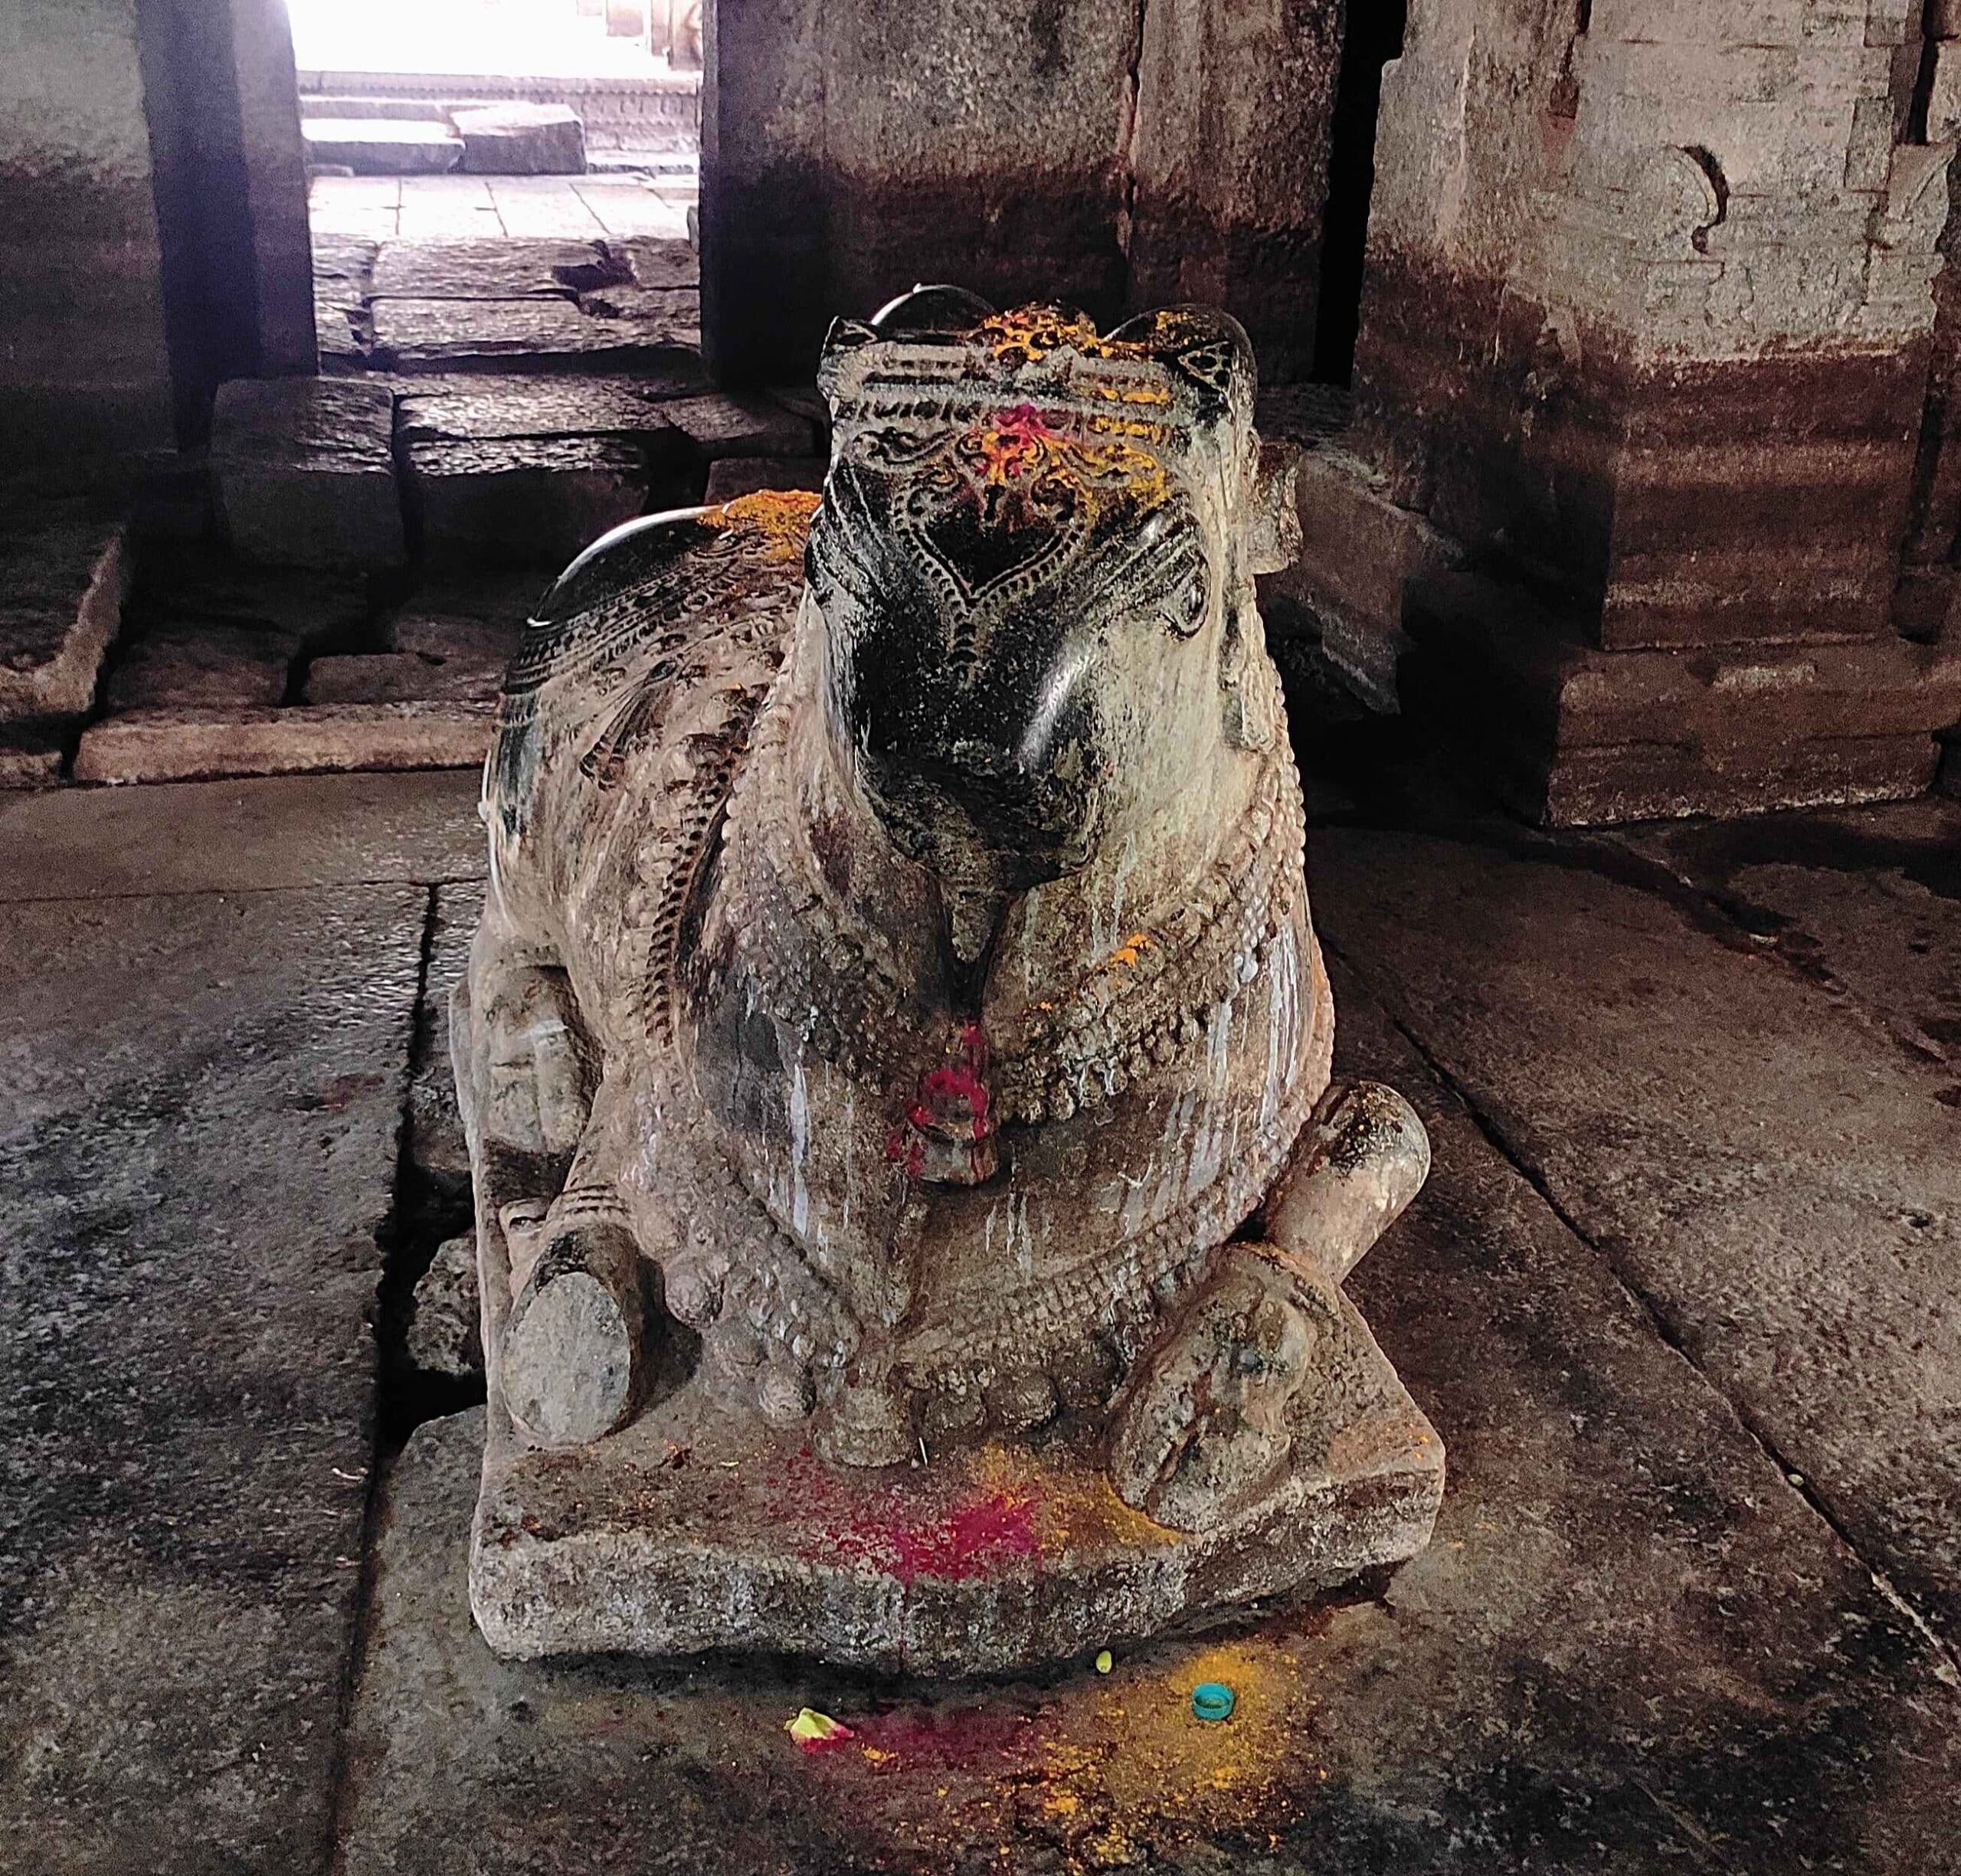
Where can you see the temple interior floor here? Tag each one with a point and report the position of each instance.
(1683, 1298)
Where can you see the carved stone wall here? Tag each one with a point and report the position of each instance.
(1647, 331)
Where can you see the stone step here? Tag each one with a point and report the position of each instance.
(520, 139)
(63, 576)
(382, 146)
(190, 744)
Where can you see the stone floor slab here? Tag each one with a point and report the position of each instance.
(1631, 1647)
(1783, 1183)
(235, 836)
(1865, 902)
(416, 336)
(198, 1148)
(489, 269)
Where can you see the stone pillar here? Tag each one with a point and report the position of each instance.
(1108, 154)
(85, 371)
(1647, 334)
(1229, 153)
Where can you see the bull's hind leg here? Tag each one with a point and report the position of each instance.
(571, 1354)
(1204, 1429)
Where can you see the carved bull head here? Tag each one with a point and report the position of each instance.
(1035, 563)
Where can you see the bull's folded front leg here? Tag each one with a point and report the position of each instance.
(573, 1355)
(1202, 1429)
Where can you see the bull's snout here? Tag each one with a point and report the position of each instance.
(1002, 762)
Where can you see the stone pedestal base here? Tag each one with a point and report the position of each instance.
(695, 1530)
(1576, 736)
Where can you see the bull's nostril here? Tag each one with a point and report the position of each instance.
(986, 761)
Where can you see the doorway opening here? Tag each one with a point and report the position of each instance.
(1374, 37)
(489, 119)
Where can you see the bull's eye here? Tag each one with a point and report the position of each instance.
(1184, 610)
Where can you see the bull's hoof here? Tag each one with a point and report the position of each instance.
(1203, 1431)
(573, 1357)
(870, 1423)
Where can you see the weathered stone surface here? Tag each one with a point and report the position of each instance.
(305, 469)
(399, 677)
(182, 745)
(1609, 786)
(199, 1146)
(675, 310)
(63, 579)
(202, 666)
(732, 424)
(344, 335)
(657, 263)
(1359, 553)
(518, 139)
(422, 336)
(344, 266)
(1863, 902)
(85, 372)
(382, 146)
(729, 476)
(29, 758)
(1728, 1687)
(463, 638)
(535, 500)
(473, 407)
(444, 1336)
(491, 270)
(1582, 736)
(436, 1140)
(223, 836)
(1775, 1179)
(322, 609)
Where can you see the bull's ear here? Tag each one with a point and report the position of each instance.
(1207, 349)
(1273, 519)
(845, 337)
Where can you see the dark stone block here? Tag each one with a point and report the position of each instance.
(731, 475)
(305, 470)
(203, 665)
(382, 146)
(463, 408)
(518, 139)
(534, 501)
(734, 423)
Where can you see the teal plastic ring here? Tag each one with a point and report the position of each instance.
(1211, 1701)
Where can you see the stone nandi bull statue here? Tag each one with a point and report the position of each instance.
(910, 1197)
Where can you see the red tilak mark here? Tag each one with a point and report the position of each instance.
(973, 1540)
(950, 1099)
(958, 1738)
(813, 1748)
